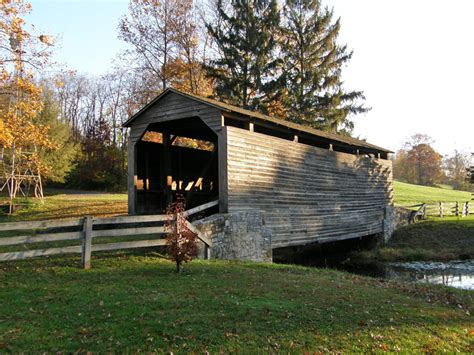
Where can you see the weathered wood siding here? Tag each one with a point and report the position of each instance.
(308, 193)
(173, 107)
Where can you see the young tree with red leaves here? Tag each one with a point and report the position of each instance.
(181, 242)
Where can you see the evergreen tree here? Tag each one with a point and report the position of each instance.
(245, 68)
(312, 68)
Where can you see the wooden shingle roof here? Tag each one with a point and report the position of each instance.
(357, 143)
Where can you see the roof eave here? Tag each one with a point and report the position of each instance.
(257, 116)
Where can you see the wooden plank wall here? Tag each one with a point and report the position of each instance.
(308, 193)
(173, 107)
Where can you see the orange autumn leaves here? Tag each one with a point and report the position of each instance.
(20, 96)
(18, 116)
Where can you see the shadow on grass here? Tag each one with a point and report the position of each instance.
(134, 300)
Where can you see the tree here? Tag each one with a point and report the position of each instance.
(5, 134)
(60, 161)
(181, 242)
(20, 101)
(456, 168)
(313, 62)
(166, 43)
(471, 170)
(245, 68)
(418, 163)
(71, 91)
(99, 165)
(150, 30)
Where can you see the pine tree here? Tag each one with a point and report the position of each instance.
(245, 68)
(312, 68)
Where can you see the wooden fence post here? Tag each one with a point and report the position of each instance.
(456, 209)
(87, 242)
(441, 209)
(465, 209)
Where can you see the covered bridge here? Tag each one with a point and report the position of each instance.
(309, 185)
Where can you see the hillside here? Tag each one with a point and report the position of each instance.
(408, 194)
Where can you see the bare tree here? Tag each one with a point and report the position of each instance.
(169, 43)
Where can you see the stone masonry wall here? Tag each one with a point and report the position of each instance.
(238, 236)
(395, 217)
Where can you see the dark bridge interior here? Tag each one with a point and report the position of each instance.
(176, 158)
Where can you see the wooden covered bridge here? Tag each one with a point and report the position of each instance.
(311, 186)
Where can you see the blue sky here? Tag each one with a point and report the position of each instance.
(414, 59)
(86, 31)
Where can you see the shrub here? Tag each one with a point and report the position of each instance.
(181, 242)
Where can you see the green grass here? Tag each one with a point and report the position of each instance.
(408, 194)
(437, 239)
(132, 303)
(64, 205)
(445, 186)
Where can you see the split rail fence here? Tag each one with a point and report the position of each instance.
(441, 209)
(89, 228)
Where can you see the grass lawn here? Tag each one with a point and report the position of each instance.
(136, 302)
(67, 205)
(408, 194)
(60, 204)
(437, 239)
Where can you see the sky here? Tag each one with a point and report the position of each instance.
(414, 60)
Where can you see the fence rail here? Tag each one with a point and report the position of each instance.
(441, 209)
(89, 228)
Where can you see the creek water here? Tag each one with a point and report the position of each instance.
(459, 274)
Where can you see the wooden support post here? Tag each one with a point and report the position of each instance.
(425, 213)
(87, 242)
(132, 177)
(441, 209)
(222, 167)
(167, 197)
(173, 138)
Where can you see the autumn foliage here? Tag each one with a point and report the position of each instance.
(20, 99)
(166, 44)
(418, 163)
(22, 138)
(181, 242)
